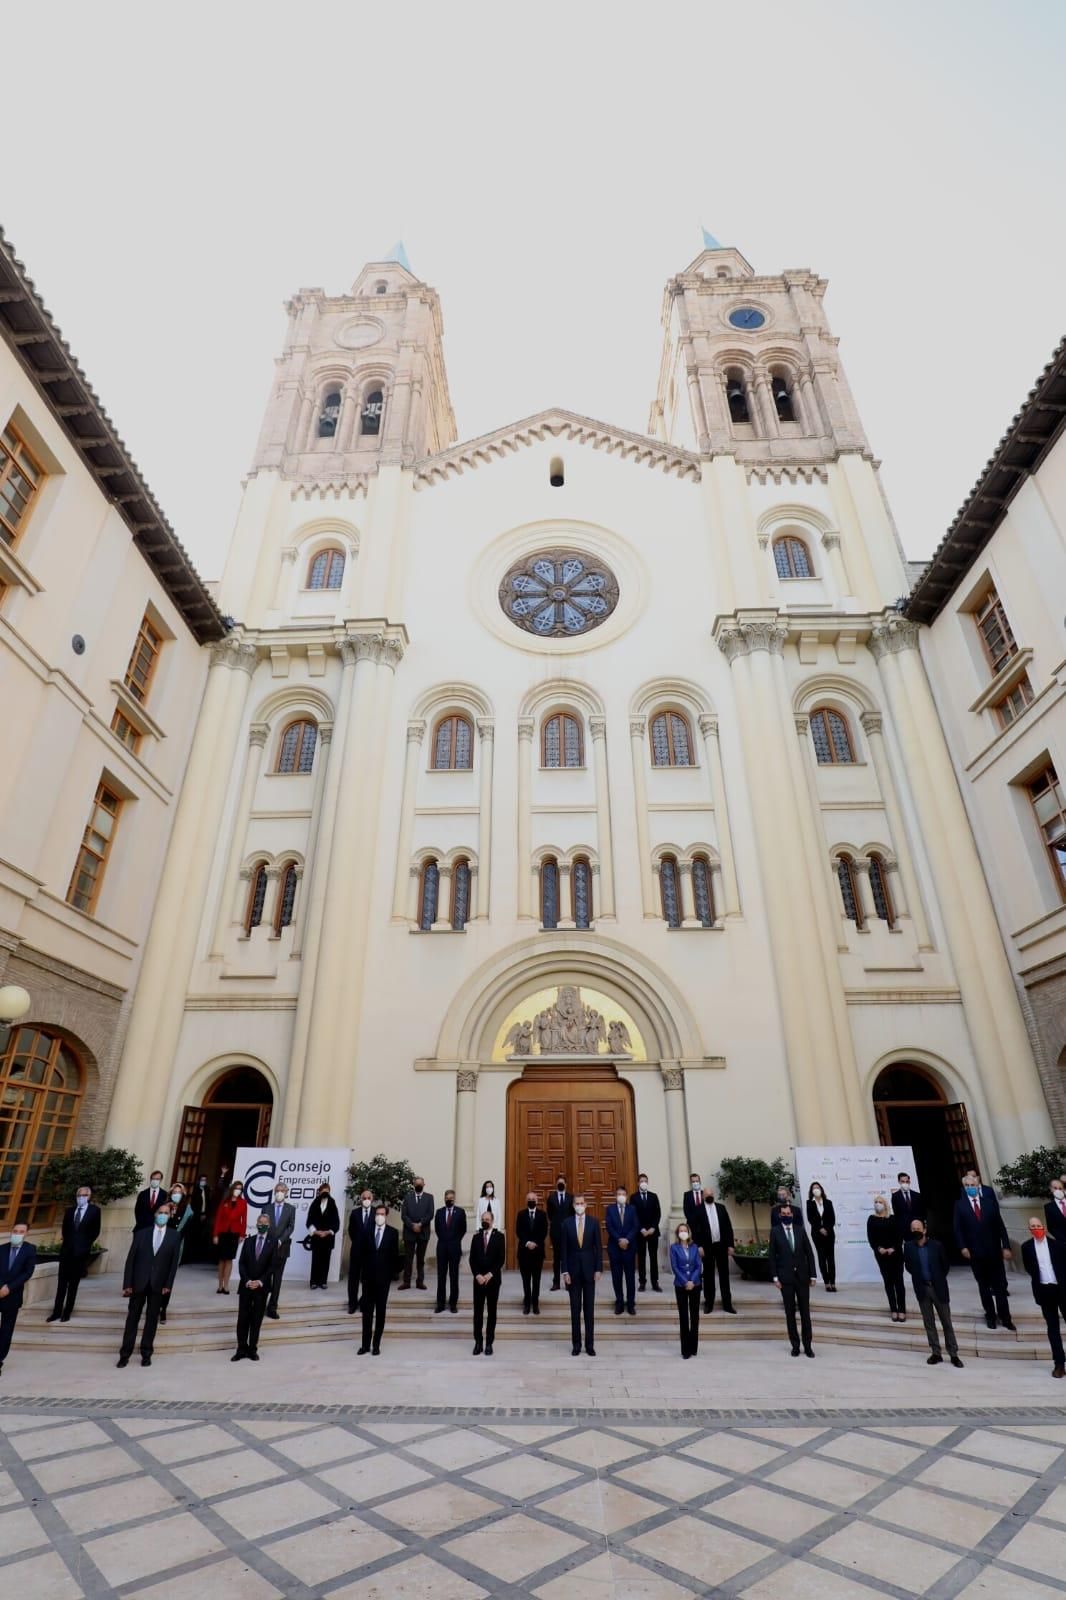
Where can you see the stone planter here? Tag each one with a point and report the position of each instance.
(756, 1269)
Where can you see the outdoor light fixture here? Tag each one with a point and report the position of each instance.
(14, 1003)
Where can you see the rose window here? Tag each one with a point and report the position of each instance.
(558, 593)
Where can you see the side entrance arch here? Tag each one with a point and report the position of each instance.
(912, 1108)
(236, 1112)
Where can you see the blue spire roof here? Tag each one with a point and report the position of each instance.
(398, 254)
(709, 241)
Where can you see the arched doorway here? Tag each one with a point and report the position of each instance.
(912, 1108)
(573, 1120)
(42, 1081)
(236, 1113)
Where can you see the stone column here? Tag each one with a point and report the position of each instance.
(303, 427)
(281, 593)
(676, 1132)
(299, 931)
(911, 901)
(604, 840)
(159, 1004)
(480, 908)
(767, 406)
(815, 423)
(251, 761)
(414, 879)
(525, 816)
(465, 1117)
(831, 546)
(717, 895)
(347, 420)
(730, 902)
(638, 727)
(566, 919)
(687, 896)
(412, 761)
(861, 870)
(443, 920)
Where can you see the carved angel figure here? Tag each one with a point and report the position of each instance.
(595, 1030)
(618, 1036)
(521, 1038)
(543, 1026)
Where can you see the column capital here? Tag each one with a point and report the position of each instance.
(861, 864)
(831, 541)
(258, 734)
(893, 635)
(526, 726)
(803, 724)
(288, 555)
(638, 727)
(385, 648)
(598, 727)
(234, 653)
(673, 1077)
(486, 728)
(416, 730)
(466, 1082)
(325, 733)
(709, 726)
(744, 638)
(871, 722)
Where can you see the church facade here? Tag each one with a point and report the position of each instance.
(571, 799)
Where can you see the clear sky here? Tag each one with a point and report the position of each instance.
(176, 174)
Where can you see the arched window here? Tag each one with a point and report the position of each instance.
(460, 894)
(429, 896)
(562, 741)
(286, 899)
(41, 1085)
(296, 752)
(556, 476)
(832, 738)
(737, 398)
(326, 570)
(670, 889)
(701, 891)
(257, 890)
(453, 745)
(329, 416)
(792, 558)
(879, 890)
(372, 413)
(581, 892)
(671, 740)
(848, 891)
(782, 393)
(381, 288)
(549, 892)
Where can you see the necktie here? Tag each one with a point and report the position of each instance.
(488, 1231)
(259, 1247)
(906, 1197)
(277, 1216)
(448, 1217)
(788, 1236)
(80, 1218)
(580, 1232)
(977, 1209)
(622, 1214)
(377, 1239)
(1062, 1206)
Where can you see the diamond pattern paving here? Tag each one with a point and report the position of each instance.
(345, 1503)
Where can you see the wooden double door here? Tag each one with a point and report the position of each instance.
(574, 1123)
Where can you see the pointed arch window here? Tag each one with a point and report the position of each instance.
(849, 893)
(330, 414)
(296, 752)
(562, 742)
(453, 745)
(670, 890)
(792, 558)
(460, 894)
(257, 889)
(880, 891)
(549, 893)
(429, 896)
(372, 413)
(581, 892)
(832, 738)
(702, 893)
(286, 900)
(671, 740)
(326, 570)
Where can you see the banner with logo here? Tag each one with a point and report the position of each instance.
(852, 1175)
(303, 1170)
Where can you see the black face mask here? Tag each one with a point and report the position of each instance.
(561, 1187)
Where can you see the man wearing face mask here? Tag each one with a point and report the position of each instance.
(199, 1248)
(255, 1269)
(488, 1250)
(649, 1216)
(18, 1258)
(147, 1202)
(81, 1228)
(1055, 1211)
(531, 1231)
(449, 1225)
(982, 1239)
(416, 1214)
(907, 1204)
(147, 1281)
(622, 1252)
(560, 1206)
(582, 1252)
(282, 1215)
(385, 1248)
(360, 1235)
(713, 1233)
(1044, 1259)
(793, 1271)
(927, 1263)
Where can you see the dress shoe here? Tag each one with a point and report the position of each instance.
(1056, 1372)
(253, 1355)
(488, 1349)
(796, 1351)
(685, 1355)
(657, 1288)
(934, 1360)
(437, 1310)
(730, 1310)
(402, 1286)
(955, 1362)
(363, 1350)
(146, 1361)
(809, 1352)
(238, 1357)
(555, 1288)
(536, 1311)
(641, 1287)
(590, 1351)
(479, 1348)
(631, 1311)
(421, 1286)
(619, 1308)
(576, 1351)
(275, 1316)
(53, 1318)
(375, 1352)
(454, 1310)
(123, 1361)
(525, 1311)
(1008, 1324)
(990, 1322)
(353, 1309)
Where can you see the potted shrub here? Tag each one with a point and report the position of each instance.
(752, 1182)
(114, 1174)
(1025, 1184)
(752, 1256)
(388, 1180)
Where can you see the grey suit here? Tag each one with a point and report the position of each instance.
(416, 1208)
(282, 1229)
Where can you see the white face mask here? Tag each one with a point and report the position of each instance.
(879, 1208)
(281, 1194)
(620, 1199)
(643, 1188)
(1056, 1194)
(177, 1197)
(17, 1238)
(683, 1237)
(83, 1199)
(488, 1192)
(579, 1211)
(904, 1183)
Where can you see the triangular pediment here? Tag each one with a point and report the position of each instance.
(557, 424)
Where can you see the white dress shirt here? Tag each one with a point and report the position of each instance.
(712, 1219)
(1043, 1258)
(157, 1238)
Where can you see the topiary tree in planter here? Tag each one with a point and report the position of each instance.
(1031, 1174)
(388, 1180)
(113, 1173)
(752, 1182)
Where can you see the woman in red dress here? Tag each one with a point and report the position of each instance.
(231, 1225)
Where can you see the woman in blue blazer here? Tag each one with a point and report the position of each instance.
(687, 1268)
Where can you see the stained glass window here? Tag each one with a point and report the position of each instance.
(460, 895)
(791, 558)
(563, 744)
(549, 893)
(671, 744)
(296, 752)
(453, 745)
(581, 891)
(430, 893)
(326, 570)
(846, 877)
(832, 741)
(256, 898)
(558, 593)
(879, 889)
(670, 890)
(701, 891)
(286, 898)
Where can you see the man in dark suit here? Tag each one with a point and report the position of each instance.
(282, 1214)
(147, 1281)
(713, 1232)
(693, 1205)
(793, 1269)
(1055, 1211)
(622, 1231)
(488, 1251)
(416, 1215)
(255, 1266)
(982, 1239)
(531, 1231)
(907, 1203)
(17, 1261)
(1044, 1259)
(449, 1225)
(926, 1261)
(560, 1206)
(361, 1236)
(649, 1216)
(147, 1202)
(80, 1230)
(385, 1246)
(582, 1263)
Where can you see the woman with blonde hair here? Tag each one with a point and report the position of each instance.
(883, 1237)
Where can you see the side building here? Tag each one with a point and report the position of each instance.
(105, 633)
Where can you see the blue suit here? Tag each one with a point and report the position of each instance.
(14, 1275)
(623, 1257)
(687, 1268)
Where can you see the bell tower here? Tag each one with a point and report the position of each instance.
(749, 366)
(361, 380)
